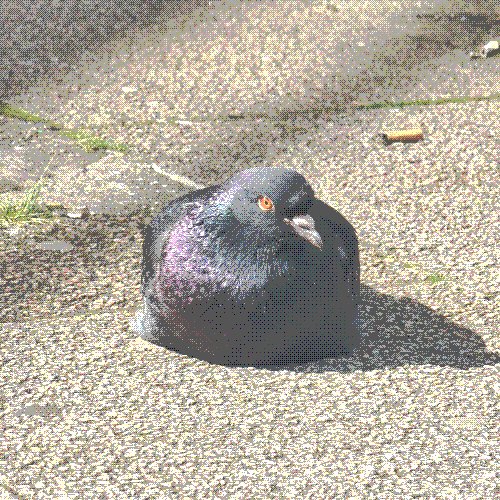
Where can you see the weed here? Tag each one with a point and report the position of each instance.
(29, 209)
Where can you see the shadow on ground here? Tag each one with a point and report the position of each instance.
(405, 332)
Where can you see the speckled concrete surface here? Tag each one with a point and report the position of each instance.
(88, 409)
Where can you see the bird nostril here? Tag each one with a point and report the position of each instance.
(299, 222)
(302, 222)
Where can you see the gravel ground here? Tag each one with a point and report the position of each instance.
(89, 411)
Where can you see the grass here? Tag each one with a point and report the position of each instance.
(30, 209)
(82, 137)
(90, 143)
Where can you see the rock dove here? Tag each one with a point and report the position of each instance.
(254, 271)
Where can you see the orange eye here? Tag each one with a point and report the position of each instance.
(266, 203)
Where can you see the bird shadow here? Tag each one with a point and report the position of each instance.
(398, 332)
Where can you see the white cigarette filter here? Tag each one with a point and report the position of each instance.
(489, 47)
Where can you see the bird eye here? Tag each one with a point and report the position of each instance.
(266, 203)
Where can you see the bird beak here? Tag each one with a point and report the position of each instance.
(303, 225)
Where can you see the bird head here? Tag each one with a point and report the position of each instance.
(272, 202)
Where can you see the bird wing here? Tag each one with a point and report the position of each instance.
(340, 250)
(158, 231)
(323, 290)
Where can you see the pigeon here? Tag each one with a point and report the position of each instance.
(254, 271)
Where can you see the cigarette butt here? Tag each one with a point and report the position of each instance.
(489, 47)
(411, 134)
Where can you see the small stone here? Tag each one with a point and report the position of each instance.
(79, 213)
